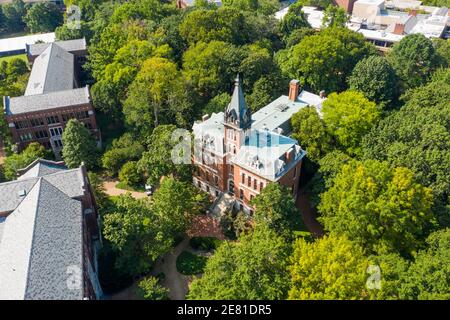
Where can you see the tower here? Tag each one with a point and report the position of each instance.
(237, 120)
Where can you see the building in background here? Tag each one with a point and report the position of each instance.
(237, 153)
(53, 96)
(49, 235)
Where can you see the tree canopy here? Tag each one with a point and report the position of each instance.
(78, 145)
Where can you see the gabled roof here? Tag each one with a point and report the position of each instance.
(52, 100)
(41, 167)
(41, 240)
(53, 70)
(41, 244)
(237, 113)
(70, 46)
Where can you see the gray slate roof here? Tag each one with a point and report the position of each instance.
(47, 101)
(53, 70)
(68, 45)
(41, 240)
(41, 167)
(237, 112)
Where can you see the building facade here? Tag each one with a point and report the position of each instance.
(238, 153)
(49, 235)
(52, 97)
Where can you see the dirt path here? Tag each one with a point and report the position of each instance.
(111, 190)
(309, 215)
(177, 283)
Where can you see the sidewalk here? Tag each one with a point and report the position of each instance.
(111, 190)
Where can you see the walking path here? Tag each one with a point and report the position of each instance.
(309, 215)
(111, 190)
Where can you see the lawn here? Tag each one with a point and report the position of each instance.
(9, 58)
(190, 264)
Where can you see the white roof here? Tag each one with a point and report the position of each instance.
(380, 35)
(19, 43)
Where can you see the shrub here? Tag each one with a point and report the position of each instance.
(190, 264)
(204, 243)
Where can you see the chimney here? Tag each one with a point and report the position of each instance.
(399, 28)
(413, 13)
(322, 94)
(205, 117)
(294, 90)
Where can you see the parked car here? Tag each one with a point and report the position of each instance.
(148, 190)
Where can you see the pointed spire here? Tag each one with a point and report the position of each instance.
(237, 112)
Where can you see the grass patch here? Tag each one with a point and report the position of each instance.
(204, 243)
(9, 58)
(124, 186)
(190, 264)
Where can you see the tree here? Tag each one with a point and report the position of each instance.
(157, 96)
(130, 174)
(78, 145)
(417, 137)
(298, 35)
(375, 78)
(294, 19)
(211, 67)
(335, 16)
(157, 161)
(136, 233)
(65, 32)
(122, 150)
(101, 198)
(329, 268)
(150, 289)
(428, 277)
(175, 203)
(310, 131)
(381, 208)
(442, 47)
(348, 117)
(217, 104)
(265, 7)
(43, 17)
(266, 89)
(414, 59)
(18, 161)
(224, 24)
(324, 61)
(275, 207)
(255, 268)
(13, 13)
(322, 4)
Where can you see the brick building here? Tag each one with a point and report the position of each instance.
(238, 153)
(49, 235)
(52, 97)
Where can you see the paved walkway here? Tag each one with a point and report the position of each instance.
(205, 226)
(111, 190)
(309, 215)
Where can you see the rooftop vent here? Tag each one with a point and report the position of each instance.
(22, 193)
(282, 107)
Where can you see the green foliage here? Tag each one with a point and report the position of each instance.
(348, 117)
(12, 13)
(136, 233)
(275, 207)
(418, 137)
(157, 96)
(298, 35)
(294, 19)
(43, 17)
(375, 78)
(335, 16)
(224, 24)
(176, 203)
(18, 161)
(130, 174)
(381, 208)
(217, 104)
(324, 61)
(414, 59)
(78, 145)
(265, 7)
(157, 160)
(150, 289)
(255, 268)
(329, 268)
(101, 198)
(437, 3)
(190, 264)
(266, 89)
(65, 32)
(122, 150)
(204, 243)
(310, 131)
(442, 47)
(323, 4)
(428, 278)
